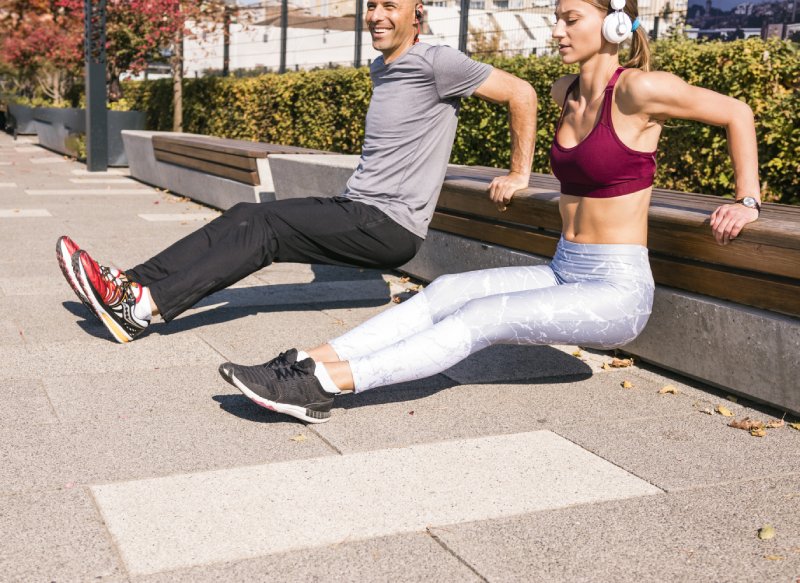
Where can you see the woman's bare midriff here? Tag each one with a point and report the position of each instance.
(621, 220)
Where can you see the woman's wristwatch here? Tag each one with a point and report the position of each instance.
(750, 202)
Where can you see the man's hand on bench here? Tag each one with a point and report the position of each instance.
(503, 188)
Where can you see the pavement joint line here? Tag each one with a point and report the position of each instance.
(8, 184)
(24, 213)
(736, 482)
(48, 160)
(455, 555)
(117, 552)
(361, 496)
(89, 192)
(101, 180)
(177, 217)
(324, 440)
(612, 462)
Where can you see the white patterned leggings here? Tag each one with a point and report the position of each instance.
(591, 295)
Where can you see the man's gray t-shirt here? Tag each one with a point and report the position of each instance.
(410, 128)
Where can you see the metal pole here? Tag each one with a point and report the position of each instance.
(463, 27)
(96, 108)
(359, 29)
(284, 31)
(226, 41)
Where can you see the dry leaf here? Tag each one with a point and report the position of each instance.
(298, 438)
(577, 353)
(795, 426)
(605, 366)
(621, 362)
(707, 411)
(747, 424)
(766, 532)
(668, 390)
(626, 384)
(775, 424)
(773, 557)
(723, 410)
(395, 300)
(758, 432)
(405, 279)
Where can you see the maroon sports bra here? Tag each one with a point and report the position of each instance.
(601, 166)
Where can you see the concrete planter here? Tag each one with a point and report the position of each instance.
(21, 119)
(62, 130)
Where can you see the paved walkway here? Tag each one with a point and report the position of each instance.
(139, 463)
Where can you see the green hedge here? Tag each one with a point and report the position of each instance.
(326, 109)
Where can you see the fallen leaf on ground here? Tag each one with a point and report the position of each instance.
(405, 279)
(723, 410)
(395, 300)
(758, 432)
(773, 557)
(605, 366)
(626, 384)
(577, 353)
(621, 362)
(747, 424)
(766, 532)
(775, 424)
(668, 390)
(298, 438)
(795, 426)
(707, 411)
(410, 412)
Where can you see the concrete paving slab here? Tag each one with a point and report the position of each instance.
(8, 184)
(251, 336)
(394, 559)
(49, 456)
(55, 536)
(702, 535)
(178, 217)
(438, 408)
(157, 391)
(84, 357)
(689, 451)
(220, 516)
(282, 273)
(25, 402)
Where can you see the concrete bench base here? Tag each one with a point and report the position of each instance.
(301, 175)
(214, 191)
(749, 352)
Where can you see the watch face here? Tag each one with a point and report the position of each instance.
(749, 202)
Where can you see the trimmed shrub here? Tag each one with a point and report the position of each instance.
(325, 109)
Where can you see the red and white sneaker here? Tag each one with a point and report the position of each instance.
(112, 300)
(65, 249)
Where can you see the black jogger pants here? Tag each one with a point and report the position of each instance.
(249, 236)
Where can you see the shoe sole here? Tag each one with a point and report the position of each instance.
(293, 410)
(117, 331)
(65, 263)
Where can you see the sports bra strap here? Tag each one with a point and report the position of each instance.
(609, 97)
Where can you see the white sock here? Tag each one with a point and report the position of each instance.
(143, 309)
(302, 355)
(325, 379)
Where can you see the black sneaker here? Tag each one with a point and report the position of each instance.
(293, 389)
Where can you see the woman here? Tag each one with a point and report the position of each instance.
(598, 290)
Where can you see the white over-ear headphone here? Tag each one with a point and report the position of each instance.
(617, 26)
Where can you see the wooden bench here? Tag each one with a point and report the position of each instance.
(761, 268)
(233, 159)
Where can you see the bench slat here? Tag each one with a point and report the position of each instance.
(241, 162)
(243, 176)
(762, 291)
(230, 146)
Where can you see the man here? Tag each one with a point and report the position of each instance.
(379, 221)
